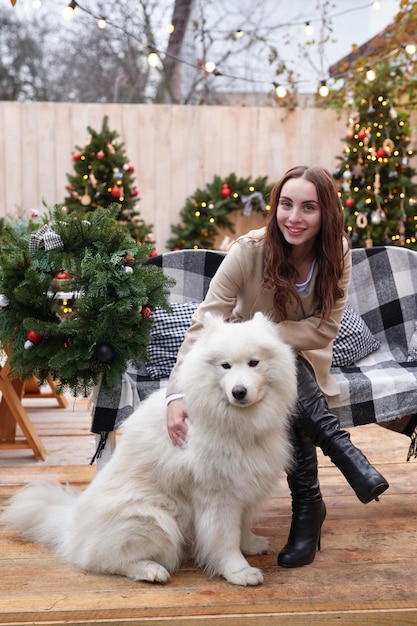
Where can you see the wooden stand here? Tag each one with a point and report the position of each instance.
(13, 414)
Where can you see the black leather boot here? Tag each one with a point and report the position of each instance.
(317, 422)
(308, 509)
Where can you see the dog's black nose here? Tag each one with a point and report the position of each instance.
(239, 392)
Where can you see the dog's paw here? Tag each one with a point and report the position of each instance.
(149, 571)
(254, 544)
(247, 577)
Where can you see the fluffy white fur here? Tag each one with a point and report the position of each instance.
(152, 500)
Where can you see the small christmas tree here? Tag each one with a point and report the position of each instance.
(375, 176)
(209, 209)
(103, 176)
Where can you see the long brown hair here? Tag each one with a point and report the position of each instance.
(279, 274)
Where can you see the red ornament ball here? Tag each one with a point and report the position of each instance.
(225, 192)
(134, 192)
(34, 337)
(76, 156)
(62, 275)
(361, 134)
(380, 153)
(116, 192)
(350, 202)
(100, 154)
(146, 311)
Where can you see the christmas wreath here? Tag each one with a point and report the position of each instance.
(209, 209)
(76, 298)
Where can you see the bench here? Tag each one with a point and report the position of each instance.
(379, 388)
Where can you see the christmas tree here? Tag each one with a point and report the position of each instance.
(103, 176)
(76, 300)
(209, 209)
(375, 176)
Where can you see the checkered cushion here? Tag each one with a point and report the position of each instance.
(167, 335)
(353, 341)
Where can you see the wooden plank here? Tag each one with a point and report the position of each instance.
(364, 574)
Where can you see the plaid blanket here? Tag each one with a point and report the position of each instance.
(378, 388)
(383, 385)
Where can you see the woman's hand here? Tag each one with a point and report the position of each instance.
(177, 428)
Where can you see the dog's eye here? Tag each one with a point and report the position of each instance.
(226, 366)
(253, 363)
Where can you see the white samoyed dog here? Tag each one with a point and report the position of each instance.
(153, 501)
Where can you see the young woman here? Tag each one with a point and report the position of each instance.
(296, 270)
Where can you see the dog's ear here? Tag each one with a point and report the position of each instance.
(211, 320)
(261, 318)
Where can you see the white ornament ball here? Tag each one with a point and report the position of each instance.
(4, 301)
(28, 344)
(347, 174)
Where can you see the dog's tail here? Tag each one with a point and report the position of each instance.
(40, 512)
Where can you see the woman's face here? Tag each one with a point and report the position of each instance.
(298, 212)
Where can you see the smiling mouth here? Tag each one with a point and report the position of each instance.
(295, 231)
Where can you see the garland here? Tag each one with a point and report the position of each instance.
(209, 209)
(76, 299)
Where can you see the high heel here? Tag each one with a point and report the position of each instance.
(316, 421)
(308, 508)
(305, 534)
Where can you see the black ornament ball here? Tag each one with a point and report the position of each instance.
(104, 353)
(337, 175)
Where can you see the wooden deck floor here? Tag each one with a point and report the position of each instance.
(365, 574)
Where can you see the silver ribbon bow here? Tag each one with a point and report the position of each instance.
(46, 238)
(247, 207)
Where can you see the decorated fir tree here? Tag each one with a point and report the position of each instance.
(375, 176)
(103, 176)
(209, 209)
(76, 300)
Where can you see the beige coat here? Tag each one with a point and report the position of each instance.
(236, 293)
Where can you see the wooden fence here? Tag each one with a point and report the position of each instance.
(175, 150)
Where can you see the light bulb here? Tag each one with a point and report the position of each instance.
(281, 91)
(102, 23)
(323, 89)
(370, 75)
(210, 67)
(309, 29)
(153, 59)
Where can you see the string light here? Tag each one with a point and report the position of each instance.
(170, 29)
(309, 29)
(68, 11)
(280, 90)
(323, 89)
(210, 67)
(153, 59)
